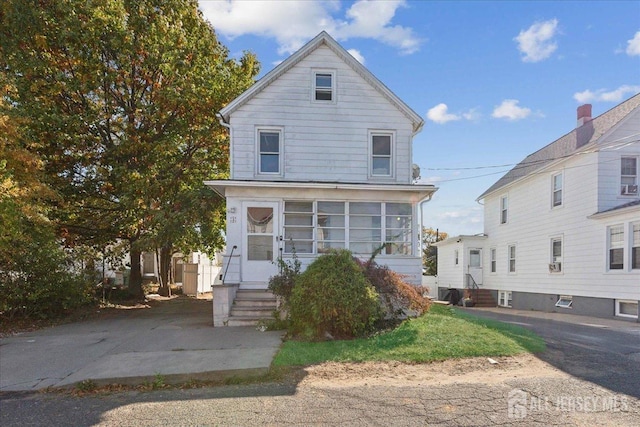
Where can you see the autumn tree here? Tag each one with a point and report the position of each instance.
(119, 101)
(430, 252)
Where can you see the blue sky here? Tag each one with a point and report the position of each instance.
(494, 81)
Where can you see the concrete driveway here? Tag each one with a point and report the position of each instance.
(173, 338)
(602, 351)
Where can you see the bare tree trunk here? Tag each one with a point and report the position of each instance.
(166, 252)
(135, 278)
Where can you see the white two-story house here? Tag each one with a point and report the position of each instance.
(321, 158)
(562, 228)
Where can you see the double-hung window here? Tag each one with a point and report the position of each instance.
(381, 154)
(616, 247)
(635, 246)
(504, 209)
(511, 250)
(493, 260)
(556, 182)
(269, 151)
(629, 176)
(556, 255)
(324, 86)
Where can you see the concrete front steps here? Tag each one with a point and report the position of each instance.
(251, 306)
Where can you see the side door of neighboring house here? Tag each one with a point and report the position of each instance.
(475, 264)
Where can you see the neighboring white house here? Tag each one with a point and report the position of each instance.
(563, 226)
(321, 158)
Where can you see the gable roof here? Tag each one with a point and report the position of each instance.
(589, 133)
(323, 39)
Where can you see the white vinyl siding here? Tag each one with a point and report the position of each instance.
(322, 141)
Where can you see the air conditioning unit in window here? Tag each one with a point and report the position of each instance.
(555, 267)
(627, 190)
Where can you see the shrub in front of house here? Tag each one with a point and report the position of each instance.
(332, 298)
(398, 299)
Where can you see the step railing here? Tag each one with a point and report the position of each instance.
(472, 287)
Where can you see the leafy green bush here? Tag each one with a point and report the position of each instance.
(397, 297)
(333, 298)
(36, 278)
(281, 285)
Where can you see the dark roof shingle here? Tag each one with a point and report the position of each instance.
(567, 145)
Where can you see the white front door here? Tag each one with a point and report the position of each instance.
(475, 265)
(260, 243)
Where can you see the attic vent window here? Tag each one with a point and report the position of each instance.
(324, 86)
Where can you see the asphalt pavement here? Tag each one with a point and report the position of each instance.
(602, 351)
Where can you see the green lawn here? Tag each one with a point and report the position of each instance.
(442, 333)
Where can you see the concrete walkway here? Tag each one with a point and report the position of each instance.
(174, 339)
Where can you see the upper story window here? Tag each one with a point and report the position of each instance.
(269, 151)
(324, 85)
(512, 258)
(616, 247)
(381, 154)
(629, 176)
(556, 183)
(504, 209)
(455, 257)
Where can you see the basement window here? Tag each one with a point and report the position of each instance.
(626, 308)
(564, 301)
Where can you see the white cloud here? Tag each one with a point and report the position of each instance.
(633, 45)
(292, 23)
(356, 54)
(536, 43)
(472, 115)
(510, 110)
(440, 114)
(616, 95)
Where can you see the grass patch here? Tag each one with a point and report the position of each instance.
(442, 333)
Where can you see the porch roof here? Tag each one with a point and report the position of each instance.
(421, 190)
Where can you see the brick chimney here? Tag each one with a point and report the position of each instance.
(584, 114)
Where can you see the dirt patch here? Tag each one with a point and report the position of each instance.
(455, 371)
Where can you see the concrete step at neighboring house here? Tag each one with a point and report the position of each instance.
(251, 306)
(483, 298)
